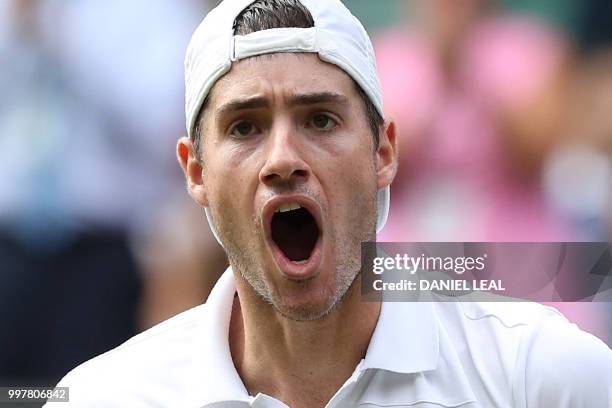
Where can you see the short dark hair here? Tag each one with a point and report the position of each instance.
(267, 14)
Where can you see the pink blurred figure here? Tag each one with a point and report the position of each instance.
(466, 95)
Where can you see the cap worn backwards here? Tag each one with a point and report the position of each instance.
(337, 37)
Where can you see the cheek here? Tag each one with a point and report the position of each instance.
(220, 185)
(230, 220)
(225, 173)
(230, 193)
(354, 185)
(357, 168)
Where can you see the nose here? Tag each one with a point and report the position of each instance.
(284, 162)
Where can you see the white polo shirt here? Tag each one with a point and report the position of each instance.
(432, 355)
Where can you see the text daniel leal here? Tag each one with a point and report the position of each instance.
(440, 284)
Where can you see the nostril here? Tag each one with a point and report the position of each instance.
(271, 177)
(275, 177)
(283, 170)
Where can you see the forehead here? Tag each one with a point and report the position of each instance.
(281, 74)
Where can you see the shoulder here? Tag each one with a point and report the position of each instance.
(545, 359)
(154, 362)
(564, 366)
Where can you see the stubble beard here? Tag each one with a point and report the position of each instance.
(242, 258)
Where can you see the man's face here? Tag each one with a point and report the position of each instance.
(290, 176)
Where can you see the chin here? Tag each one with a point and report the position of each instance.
(306, 311)
(311, 300)
(304, 301)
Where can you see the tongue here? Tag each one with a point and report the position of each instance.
(295, 233)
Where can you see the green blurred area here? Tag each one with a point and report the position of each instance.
(376, 14)
(566, 14)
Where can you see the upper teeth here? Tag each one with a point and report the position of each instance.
(288, 207)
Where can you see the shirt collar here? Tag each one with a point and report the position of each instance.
(411, 349)
(216, 379)
(405, 340)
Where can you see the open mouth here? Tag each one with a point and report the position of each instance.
(295, 232)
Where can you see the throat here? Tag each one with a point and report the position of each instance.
(291, 360)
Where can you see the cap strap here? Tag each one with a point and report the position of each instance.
(274, 40)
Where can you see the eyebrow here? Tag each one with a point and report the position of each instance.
(236, 105)
(316, 98)
(258, 102)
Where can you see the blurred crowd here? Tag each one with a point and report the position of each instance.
(505, 135)
(98, 238)
(505, 131)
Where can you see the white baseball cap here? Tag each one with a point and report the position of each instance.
(337, 37)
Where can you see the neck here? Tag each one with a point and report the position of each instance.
(298, 360)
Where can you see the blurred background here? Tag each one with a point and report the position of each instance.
(505, 117)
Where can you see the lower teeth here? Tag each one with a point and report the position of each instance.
(302, 262)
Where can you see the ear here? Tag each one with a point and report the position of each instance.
(192, 167)
(386, 155)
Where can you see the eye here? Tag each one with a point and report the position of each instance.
(322, 121)
(243, 129)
